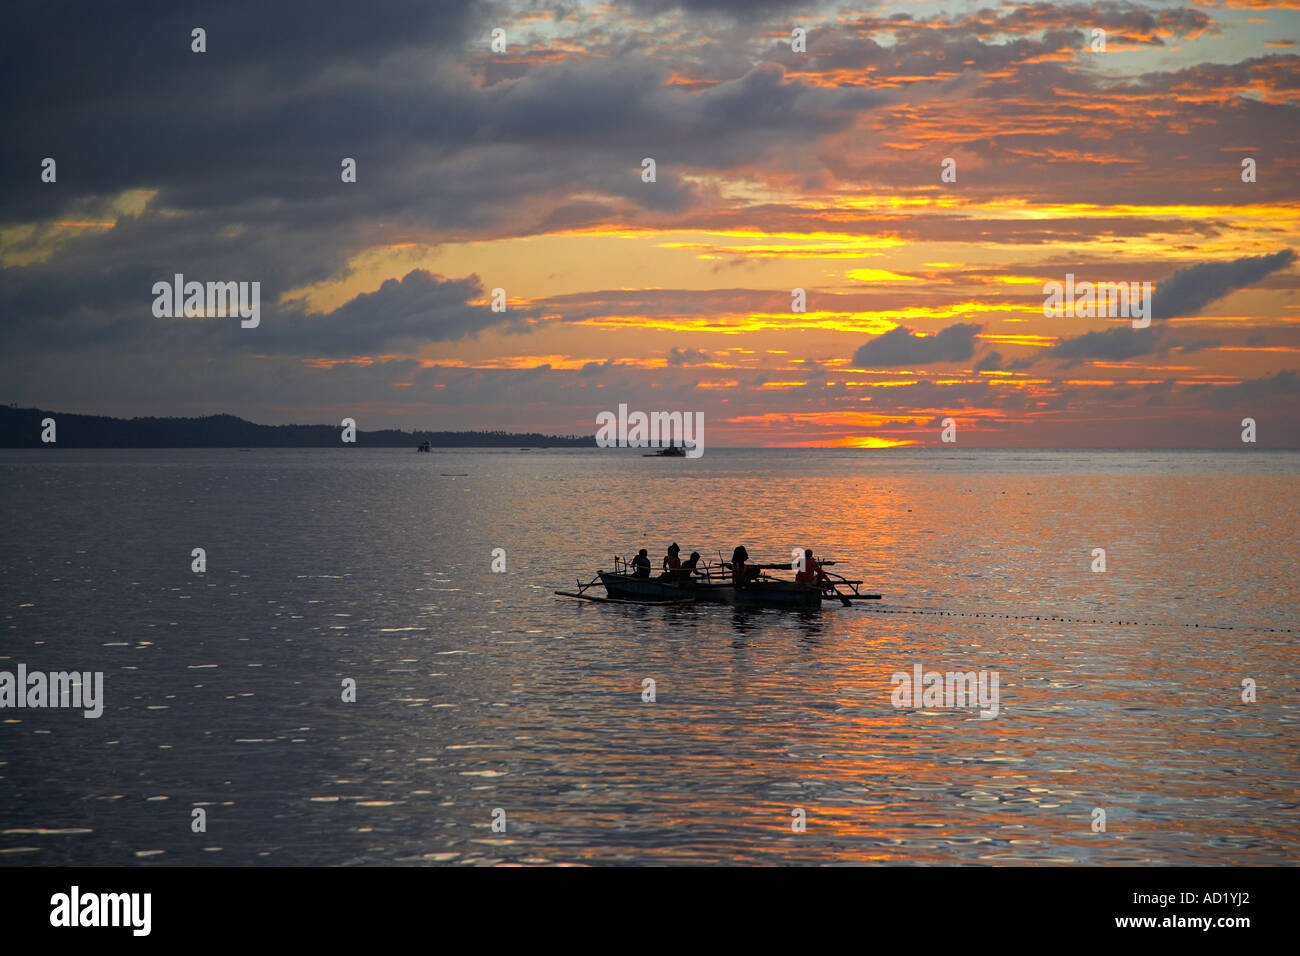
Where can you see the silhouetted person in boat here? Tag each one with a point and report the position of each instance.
(671, 562)
(812, 572)
(690, 564)
(741, 575)
(641, 564)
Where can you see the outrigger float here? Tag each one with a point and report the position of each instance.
(713, 584)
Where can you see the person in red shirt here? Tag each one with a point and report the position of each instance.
(671, 562)
(812, 570)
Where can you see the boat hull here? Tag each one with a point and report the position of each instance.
(777, 594)
(626, 587)
(780, 595)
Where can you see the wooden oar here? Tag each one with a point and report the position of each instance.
(852, 584)
(843, 597)
(815, 583)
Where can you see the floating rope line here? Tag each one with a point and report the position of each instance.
(1072, 620)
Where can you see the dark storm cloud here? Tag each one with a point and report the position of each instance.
(210, 134)
(576, 214)
(280, 39)
(1189, 290)
(115, 94)
(1112, 344)
(901, 346)
(687, 356)
(1128, 20)
(595, 368)
(1281, 388)
(627, 110)
(245, 159)
(1120, 344)
(257, 177)
(418, 309)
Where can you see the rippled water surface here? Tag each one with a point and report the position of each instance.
(479, 691)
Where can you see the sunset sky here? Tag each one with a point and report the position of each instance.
(775, 170)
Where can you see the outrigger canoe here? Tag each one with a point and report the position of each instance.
(713, 584)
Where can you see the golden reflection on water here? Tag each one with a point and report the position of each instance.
(761, 714)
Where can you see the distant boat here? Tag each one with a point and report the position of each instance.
(672, 451)
(425, 446)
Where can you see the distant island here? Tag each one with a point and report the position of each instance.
(21, 428)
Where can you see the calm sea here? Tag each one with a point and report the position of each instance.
(481, 697)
